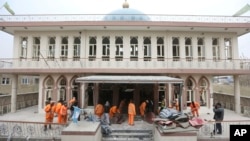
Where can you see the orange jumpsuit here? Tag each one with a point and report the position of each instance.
(58, 108)
(64, 114)
(112, 111)
(49, 115)
(131, 113)
(99, 109)
(195, 108)
(143, 108)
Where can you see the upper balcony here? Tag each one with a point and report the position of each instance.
(125, 65)
(239, 25)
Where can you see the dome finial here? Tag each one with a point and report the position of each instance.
(125, 4)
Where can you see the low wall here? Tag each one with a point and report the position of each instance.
(228, 102)
(23, 101)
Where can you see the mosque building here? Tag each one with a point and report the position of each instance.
(126, 54)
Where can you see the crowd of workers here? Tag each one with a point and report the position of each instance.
(59, 110)
(106, 112)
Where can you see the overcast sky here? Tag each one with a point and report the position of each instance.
(176, 7)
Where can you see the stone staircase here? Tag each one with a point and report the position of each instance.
(129, 135)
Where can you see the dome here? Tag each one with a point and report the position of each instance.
(126, 14)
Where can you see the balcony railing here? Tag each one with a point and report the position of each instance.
(114, 63)
(123, 17)
(206, 131)
(29, 130)
(35, 130)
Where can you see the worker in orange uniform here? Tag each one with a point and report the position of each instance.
(64, 113)
(142, 109)
(195, 106)
(99, 110)
(49, 114)
(57, 111)
(131, 112)
(113, 110)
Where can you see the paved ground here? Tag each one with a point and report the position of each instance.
(31, 114)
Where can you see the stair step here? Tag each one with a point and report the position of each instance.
(126, 139)
(132, 131)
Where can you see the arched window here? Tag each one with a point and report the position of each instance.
(77, 48)
(51, 48)
(216, 49)
(201, 49)
(24, 46)
(119, 48)
(64, 48)
(105, 48)
(188, 49)
(228, 48)
(176, 49)
(62, 90)
(133, 48)
(92, 48)
(147, 48)
(160, 49)
(36, 49)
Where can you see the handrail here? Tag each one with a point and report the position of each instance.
(123, 17)
(29, 130)
(206, 131)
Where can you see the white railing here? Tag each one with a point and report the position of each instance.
(126, 63)
(123, 17)
(206, 131)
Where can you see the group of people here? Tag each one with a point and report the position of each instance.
(146, 106)
(218, 115)
(106, 112)
(59, 109)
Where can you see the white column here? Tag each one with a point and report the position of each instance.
(235, 50)
(170, 98)
(14, 93)
(84, 45)
(70, 47)
(29, 48)
(112, 48)
(140, 47)
(154, 47)
(194, 48)
(182, 48)
(99, 47)
(222, 48)
(41, 94)
(126, 47)
(83, 99)
(237, 93)
(168, 46)
(58, 47)
(208, 47)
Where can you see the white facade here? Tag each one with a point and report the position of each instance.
(193, 48)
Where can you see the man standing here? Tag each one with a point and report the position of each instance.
(218, 117)
(131, 112)
(106, 113)
(49, 110)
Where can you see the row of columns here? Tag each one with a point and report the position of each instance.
(96, 94)
(126, 40)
